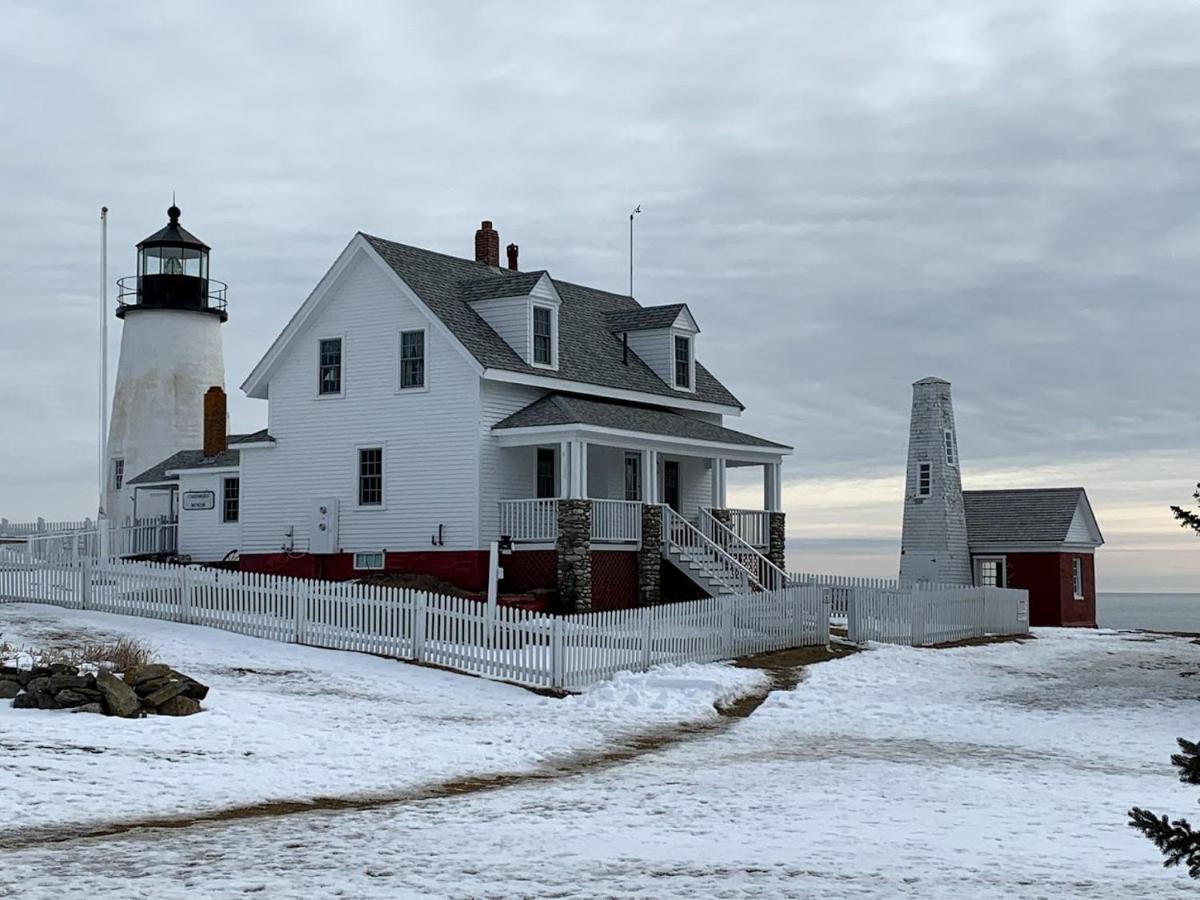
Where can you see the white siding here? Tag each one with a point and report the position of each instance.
(509, 318)
(202, 534)
(695, 483)
(430, 438)
(653, 347)
(1080, 531)
(505, 473)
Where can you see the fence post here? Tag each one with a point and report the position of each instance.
(853, 620)
(185, 597)
(419, 604)
(300, 613)
(727, 627)
(557, 663)
(85, 584)
(646, 624)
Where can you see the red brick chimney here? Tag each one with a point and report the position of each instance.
(512, 256)
(215, 438)
(487, 244)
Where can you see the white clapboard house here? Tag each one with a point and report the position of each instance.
(421, 406)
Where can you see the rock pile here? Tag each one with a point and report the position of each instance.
(140, 690)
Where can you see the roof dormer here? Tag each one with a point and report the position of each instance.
(522, 309)
(664, 337)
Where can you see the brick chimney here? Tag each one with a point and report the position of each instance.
(215, 437)
(487, 244)
(512, 256)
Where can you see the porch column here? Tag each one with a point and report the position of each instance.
(772, 492)
(578, 486)
(649, 476)
(718, 484)
(564, 469)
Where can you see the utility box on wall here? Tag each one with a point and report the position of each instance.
(323, 527)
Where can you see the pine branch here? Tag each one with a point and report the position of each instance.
(1187, 518)
(1178, 843)
(1187, 762)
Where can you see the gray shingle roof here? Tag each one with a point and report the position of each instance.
(645, 318)
(564, 409)
(195, 459)
(588, 352)
(1021, 516)
(516, 285)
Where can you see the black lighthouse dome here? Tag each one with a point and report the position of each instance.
(172, 273)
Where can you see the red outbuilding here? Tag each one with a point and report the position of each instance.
(1042, 540)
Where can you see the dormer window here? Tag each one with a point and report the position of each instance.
(683, 362)
(543, 336)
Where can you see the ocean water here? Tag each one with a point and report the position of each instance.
(1154, 612)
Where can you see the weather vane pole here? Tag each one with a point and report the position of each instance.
(637, 209)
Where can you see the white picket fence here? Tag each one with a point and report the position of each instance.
(837, 589)
(41, 526)
(569, 652)
(922, 617)
(146, 537)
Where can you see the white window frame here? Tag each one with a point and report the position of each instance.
(225, 520)
(382, 504)
(116, 473)
(1077, 577)
(553, 310)
(951, 449)
(341, 367)
(927, 467)
(1001, 569)
(424, 386)
(691, 342)
(358, 554)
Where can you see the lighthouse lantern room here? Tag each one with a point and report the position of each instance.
(172, 311)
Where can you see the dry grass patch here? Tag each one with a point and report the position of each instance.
(119, 653)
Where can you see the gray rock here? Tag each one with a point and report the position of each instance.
(166, 692)
(24, 701)
(137, 675)
(90, 708)
(10, 673)
(196, 690)
(70, 682)
(27, 675)
(9, 689)
(146, 688)
(68, 698)
(119, 698)
(63, 669)
(39, 685)
(179, 705)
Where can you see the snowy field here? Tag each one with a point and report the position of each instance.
(996, 771)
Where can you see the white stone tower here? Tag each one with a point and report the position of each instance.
(170, 355)
(934, 543)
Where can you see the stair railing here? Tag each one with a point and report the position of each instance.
(765, 572)
(691, 544)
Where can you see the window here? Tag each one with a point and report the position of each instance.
(543, 336)
(370, 476)
(231, 490)
(1077, 576)
(546, 485)
(370, 559)
(633, 476)
(949, 435)
(118, 473)
(924, 480)
(683, 361)
(412, 359)
(329, 366)
(990, 572)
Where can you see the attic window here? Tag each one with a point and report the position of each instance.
(683, 362)
(924, 480)
(543, 336)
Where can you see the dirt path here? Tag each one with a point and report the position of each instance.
(784, 668)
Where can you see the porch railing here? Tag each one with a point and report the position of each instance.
(143, 538)
(685, 539)
(530, 521)
(617, 521)
(765, 572)
(752, 525)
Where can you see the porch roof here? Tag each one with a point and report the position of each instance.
(565, 410)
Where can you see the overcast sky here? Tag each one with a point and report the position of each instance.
(849, 196)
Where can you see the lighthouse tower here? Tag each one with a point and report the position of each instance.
(934, 544)
(172, 313)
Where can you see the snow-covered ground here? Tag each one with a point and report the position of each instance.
(996, 771)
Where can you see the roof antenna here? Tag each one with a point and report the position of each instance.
(636, 210)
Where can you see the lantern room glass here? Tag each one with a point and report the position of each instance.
(173, 261)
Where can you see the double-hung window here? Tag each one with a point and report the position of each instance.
(231, 489)
(546, 485)
(950, 454)
(412, 359)
(370, 476)
(118, 473)
(1077, 576)
(683, 362)
(329, 366)
(991, 572)
(924, 480)
(543, 336)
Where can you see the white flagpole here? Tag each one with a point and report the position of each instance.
(101, 514)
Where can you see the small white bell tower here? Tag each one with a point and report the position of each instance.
(933, 547)
(170, 355)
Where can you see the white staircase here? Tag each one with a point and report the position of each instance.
(705, 562)
(764, 574)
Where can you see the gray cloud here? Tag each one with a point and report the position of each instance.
(850, 197)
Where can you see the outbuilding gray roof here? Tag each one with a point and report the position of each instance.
(567, 409)
(1031, 515)
(195, 459)
(588, 351)
(645, 318)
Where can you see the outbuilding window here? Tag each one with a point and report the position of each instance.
(231, 490)
(370, 476)
(924, 480)
(990, 572)
(1077, 577)
(329, 366)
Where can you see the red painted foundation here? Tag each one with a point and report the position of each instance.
(465, 569)
(614, 579)
(1049, 578)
